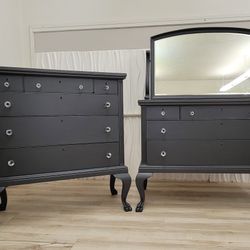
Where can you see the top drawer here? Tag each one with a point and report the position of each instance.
(163, 113)
(103, 86)
(11, 83)
(215, 112)
(58, 84)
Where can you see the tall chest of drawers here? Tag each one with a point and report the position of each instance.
(61, 124)
(193, 136)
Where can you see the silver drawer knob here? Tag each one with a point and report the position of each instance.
(163, 113)
(192, 113)
(107, 105)
(6, 84)
(81, 87)
(38, 85)
(108, 129)
(108, 155)
(7, 104)
(163, 153)
(9, 132)
(107, 87)
(163, 131)
(11, 163)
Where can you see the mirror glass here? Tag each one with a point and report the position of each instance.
(202, 64)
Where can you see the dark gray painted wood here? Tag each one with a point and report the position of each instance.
(51, 104)
(105, 86)
(163, 113)
(58, 84)
(57, 158)
(43, 131)
(9, 83)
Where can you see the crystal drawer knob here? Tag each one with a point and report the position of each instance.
(108, 155)
(163, 131)
(107, 105)
(107, 87)
(9, 132)
(38, 85)
(163, 153)
(108, 129)
(81, 87)
(11, 163)
(192, 113)
(163, 113)
(7, 104)
(6, 84)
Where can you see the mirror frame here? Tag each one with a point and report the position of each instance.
(185, 32)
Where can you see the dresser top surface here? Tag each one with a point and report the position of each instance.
(60, 73)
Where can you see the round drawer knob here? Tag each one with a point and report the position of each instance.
(38, 85)
(192, 113)
(9, 132)
(7, 104)
(163, 153)
(6, 84)
(108, 129)
(11, 163)
(107, 105)
(108, 155)
(81, 87)
(107, 87)
(163, 131)
(163, 113)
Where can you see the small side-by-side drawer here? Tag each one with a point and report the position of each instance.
(57, 84)
(11, 83)
(105, 86)
(27, 161)
(163, 113)
(215, 112)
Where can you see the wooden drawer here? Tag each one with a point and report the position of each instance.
(198, 152)
(105, 86)
(44, 131)
(11, 83)
(163, 113)
(215, 112)
(27, 161)
(216, 129)
(49, 104)
(57, 84)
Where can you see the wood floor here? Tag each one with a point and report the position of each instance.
(81, 214)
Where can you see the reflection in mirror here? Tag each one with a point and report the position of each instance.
(202, 64)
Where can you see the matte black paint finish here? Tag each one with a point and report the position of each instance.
(163, 113)
(60, 125)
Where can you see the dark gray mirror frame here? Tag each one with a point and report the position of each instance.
(185, 32)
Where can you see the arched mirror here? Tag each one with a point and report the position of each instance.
(201, 61)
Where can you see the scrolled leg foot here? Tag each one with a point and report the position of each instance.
(3, 196)
(126, 183)
(112, 185)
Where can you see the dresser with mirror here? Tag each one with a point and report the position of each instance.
(195, 117)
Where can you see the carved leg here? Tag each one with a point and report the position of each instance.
(3, 196)
(112, 185)
(140, 183)
(126, 183)
(145, 184)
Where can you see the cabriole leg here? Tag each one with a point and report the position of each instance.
(3, 196)
(126, 183)
(112, 185)
(141, 183)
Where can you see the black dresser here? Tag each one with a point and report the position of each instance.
(196, 114)
(58, 125)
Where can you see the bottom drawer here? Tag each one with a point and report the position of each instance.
(195, 152)
(26, 161)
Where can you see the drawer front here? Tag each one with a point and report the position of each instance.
(26, 161)
(57, 84)
(44, 131)
(11, 83)
(197, 152)
(215, 112)
(105, 87)
(28, 104)
(216, 129)
(163, 113)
